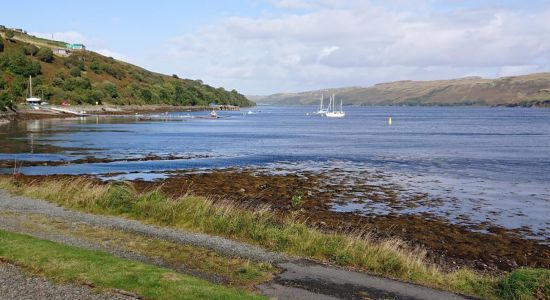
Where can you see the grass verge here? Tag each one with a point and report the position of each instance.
(233, 271)
(104, 271)
(390, 258)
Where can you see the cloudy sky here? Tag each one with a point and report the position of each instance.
(269, 46)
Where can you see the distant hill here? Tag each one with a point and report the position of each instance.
(528, 90)
(86, 77)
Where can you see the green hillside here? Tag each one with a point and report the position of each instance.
(527, 90)
(86, 77)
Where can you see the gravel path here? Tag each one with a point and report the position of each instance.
(16, 285)
(218, 244)
(299, 279)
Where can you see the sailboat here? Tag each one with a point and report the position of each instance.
(33, 101)
(322, 111)
(331, 110)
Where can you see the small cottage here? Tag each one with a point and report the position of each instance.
(76, 46)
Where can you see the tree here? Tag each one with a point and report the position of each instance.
(45, 54)
(30, 49)
(1, 45)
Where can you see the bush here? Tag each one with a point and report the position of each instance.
(75, 72)
(45, 54)
(95, 65)
(9, 34)
(1, 45)
(74, 61)
(109, 89)
(30, 50)
(18, 64)
(113, 71)
(7, 100)
(72, 84)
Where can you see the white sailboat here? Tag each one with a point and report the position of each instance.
(332, 112)
(33, 101)
(322, 111)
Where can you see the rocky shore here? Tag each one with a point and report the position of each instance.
(488, 248)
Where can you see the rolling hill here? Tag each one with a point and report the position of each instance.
(528, 90)
(86, 77)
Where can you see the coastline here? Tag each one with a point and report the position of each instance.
(495, 250)
(110, 110)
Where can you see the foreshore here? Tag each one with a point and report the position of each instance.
(102, 110)
(489, 249)
(288, 233)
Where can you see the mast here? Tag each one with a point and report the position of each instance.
(30, 86)
(341, 110)
(322, 96)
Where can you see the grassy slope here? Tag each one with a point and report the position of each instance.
(390, 258)
(525, 90)
(134, 85)
(70, 264)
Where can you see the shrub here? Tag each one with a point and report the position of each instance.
(1, 45)
(75, 72)
(19, 64)
(95, 65)
(9, 34)
(113, 71)
(30, 49)
(72, 84)
(45, 54)
(109, 88)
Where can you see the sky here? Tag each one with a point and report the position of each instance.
(261, 47)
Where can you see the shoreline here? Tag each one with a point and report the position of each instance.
(260, 227)
(103, 110)
(449, 245)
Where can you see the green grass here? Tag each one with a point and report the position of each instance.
(391, 258)
(525, 284)
(70, 264)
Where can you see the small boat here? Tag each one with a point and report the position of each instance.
(32, 101)
(213, 114)
(331, 110)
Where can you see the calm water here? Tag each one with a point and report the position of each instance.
(490, 163)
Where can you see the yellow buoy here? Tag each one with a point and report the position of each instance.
(389, 121)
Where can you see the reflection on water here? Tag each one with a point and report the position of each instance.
(474, 164)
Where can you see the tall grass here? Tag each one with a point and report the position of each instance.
(390, 258)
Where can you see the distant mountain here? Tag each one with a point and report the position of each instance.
(528, 90)
(66, 72)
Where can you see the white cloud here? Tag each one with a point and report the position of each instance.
(93, 44)
(332, 43)
(110, 53)
(66, 36)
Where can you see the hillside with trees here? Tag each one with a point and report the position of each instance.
(86, 77)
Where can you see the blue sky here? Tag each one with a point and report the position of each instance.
(268, 46)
